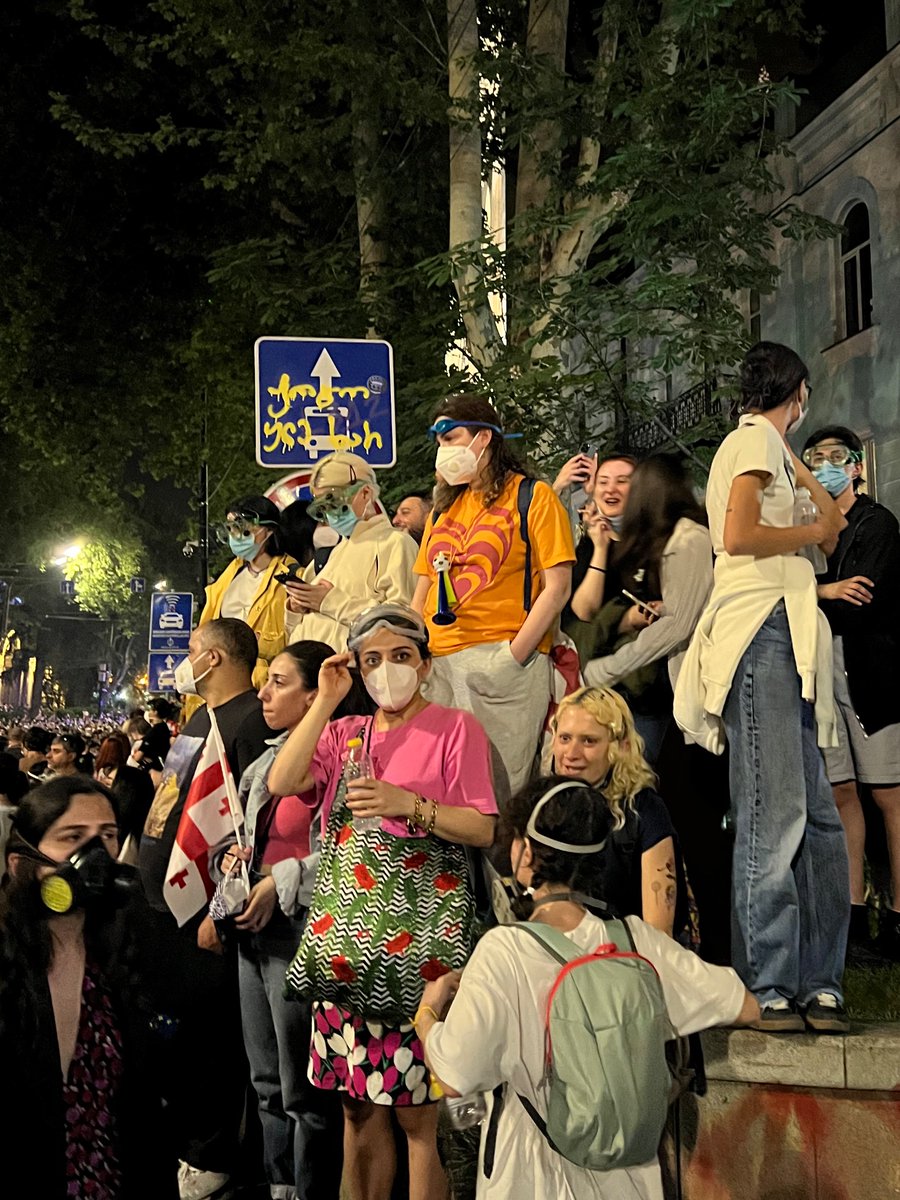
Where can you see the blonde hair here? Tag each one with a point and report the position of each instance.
(628, 769)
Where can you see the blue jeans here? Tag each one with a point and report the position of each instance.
(302, 1125)
(791, 883)
(653, 730)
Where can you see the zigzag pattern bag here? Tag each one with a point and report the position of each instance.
(388, 914)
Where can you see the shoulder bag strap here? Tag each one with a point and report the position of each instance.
(526, 491)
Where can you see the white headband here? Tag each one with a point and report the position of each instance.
(531, 831)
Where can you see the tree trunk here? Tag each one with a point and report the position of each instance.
(545, 51)
(370, 204)
(466, 214)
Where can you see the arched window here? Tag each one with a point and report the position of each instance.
(856, 263)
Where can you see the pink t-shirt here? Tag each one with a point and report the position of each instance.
(441, 753)
(287, 833)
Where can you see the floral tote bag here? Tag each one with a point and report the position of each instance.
(388, 914)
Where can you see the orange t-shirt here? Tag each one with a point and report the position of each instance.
(487, 564)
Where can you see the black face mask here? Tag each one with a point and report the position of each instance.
(89, 878)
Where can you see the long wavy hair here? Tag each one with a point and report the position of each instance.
(628, 769)
(26, 941)
(659, 495)
(499, 460)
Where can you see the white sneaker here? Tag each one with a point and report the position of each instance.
(194, 1184)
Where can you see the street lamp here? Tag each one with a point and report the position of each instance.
(161, 585)
(66, 555)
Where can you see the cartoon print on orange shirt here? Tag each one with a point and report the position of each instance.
(476, 553)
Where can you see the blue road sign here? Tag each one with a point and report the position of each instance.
(161, 669)
(137, 585)
(170, 620)
(317, 395)
(67, 587)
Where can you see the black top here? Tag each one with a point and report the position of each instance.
(134, 791)
(869, 546)
(646, 825)
(32, 1118)
(244, 735)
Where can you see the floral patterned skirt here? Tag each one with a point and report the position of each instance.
(367, 1059)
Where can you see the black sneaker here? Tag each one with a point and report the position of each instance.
(826, 1014)
(779, 1016)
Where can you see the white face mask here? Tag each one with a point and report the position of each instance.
(323, 536)
(804, 409)
(392, 685)
(457, 464)
(185, 679)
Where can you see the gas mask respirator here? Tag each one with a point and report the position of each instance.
(89, 879)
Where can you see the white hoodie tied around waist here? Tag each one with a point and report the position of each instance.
(745, 592)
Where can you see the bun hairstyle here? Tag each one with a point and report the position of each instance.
(577, 815)
(770, 374)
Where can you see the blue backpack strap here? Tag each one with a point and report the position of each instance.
(526, 491)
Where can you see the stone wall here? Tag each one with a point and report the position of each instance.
(793, 1117)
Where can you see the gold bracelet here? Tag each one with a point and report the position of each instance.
(426, 1008)
(434, 808)
(416, 818)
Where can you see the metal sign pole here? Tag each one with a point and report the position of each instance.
(203, 535)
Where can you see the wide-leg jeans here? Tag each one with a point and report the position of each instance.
(790, 879)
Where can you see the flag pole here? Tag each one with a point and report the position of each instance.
(234, 805)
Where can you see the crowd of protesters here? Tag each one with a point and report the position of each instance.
(268, 940)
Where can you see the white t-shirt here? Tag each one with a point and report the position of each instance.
(494, 1033)
(755, 445)
(239, 595)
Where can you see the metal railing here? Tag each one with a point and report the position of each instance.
(675, 418)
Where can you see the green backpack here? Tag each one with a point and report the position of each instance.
(606, 1033)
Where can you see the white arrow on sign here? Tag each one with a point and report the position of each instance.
(170, 661)
(326, 372)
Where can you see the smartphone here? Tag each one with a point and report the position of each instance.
(591, 449)
(292, 574)
(640, 603)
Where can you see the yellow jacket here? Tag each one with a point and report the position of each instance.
(265, 618)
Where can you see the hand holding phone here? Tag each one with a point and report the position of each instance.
(643, 605)
(291, 575)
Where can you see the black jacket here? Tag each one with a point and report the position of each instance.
(869, 546)
(32, 1119)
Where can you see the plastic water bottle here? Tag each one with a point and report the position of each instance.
(806, 513)
(465, 1112)
(359, 766)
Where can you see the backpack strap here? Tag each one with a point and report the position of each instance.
(555, 943)
(523, 503)
(490, 1139)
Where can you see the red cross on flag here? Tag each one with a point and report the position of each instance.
(211, 812)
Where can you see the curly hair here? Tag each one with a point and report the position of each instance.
(628, 769)
(577, 815)
(501, 462)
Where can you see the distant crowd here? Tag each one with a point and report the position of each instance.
(524, 756)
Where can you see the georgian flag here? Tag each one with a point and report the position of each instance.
(211, 813)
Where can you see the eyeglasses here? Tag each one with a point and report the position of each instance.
(838, 456)
(335, 502)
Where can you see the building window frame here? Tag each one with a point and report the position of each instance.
(855, 265)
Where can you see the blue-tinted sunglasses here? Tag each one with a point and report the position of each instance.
(445, 424)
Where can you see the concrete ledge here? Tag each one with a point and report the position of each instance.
(868, 1059)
